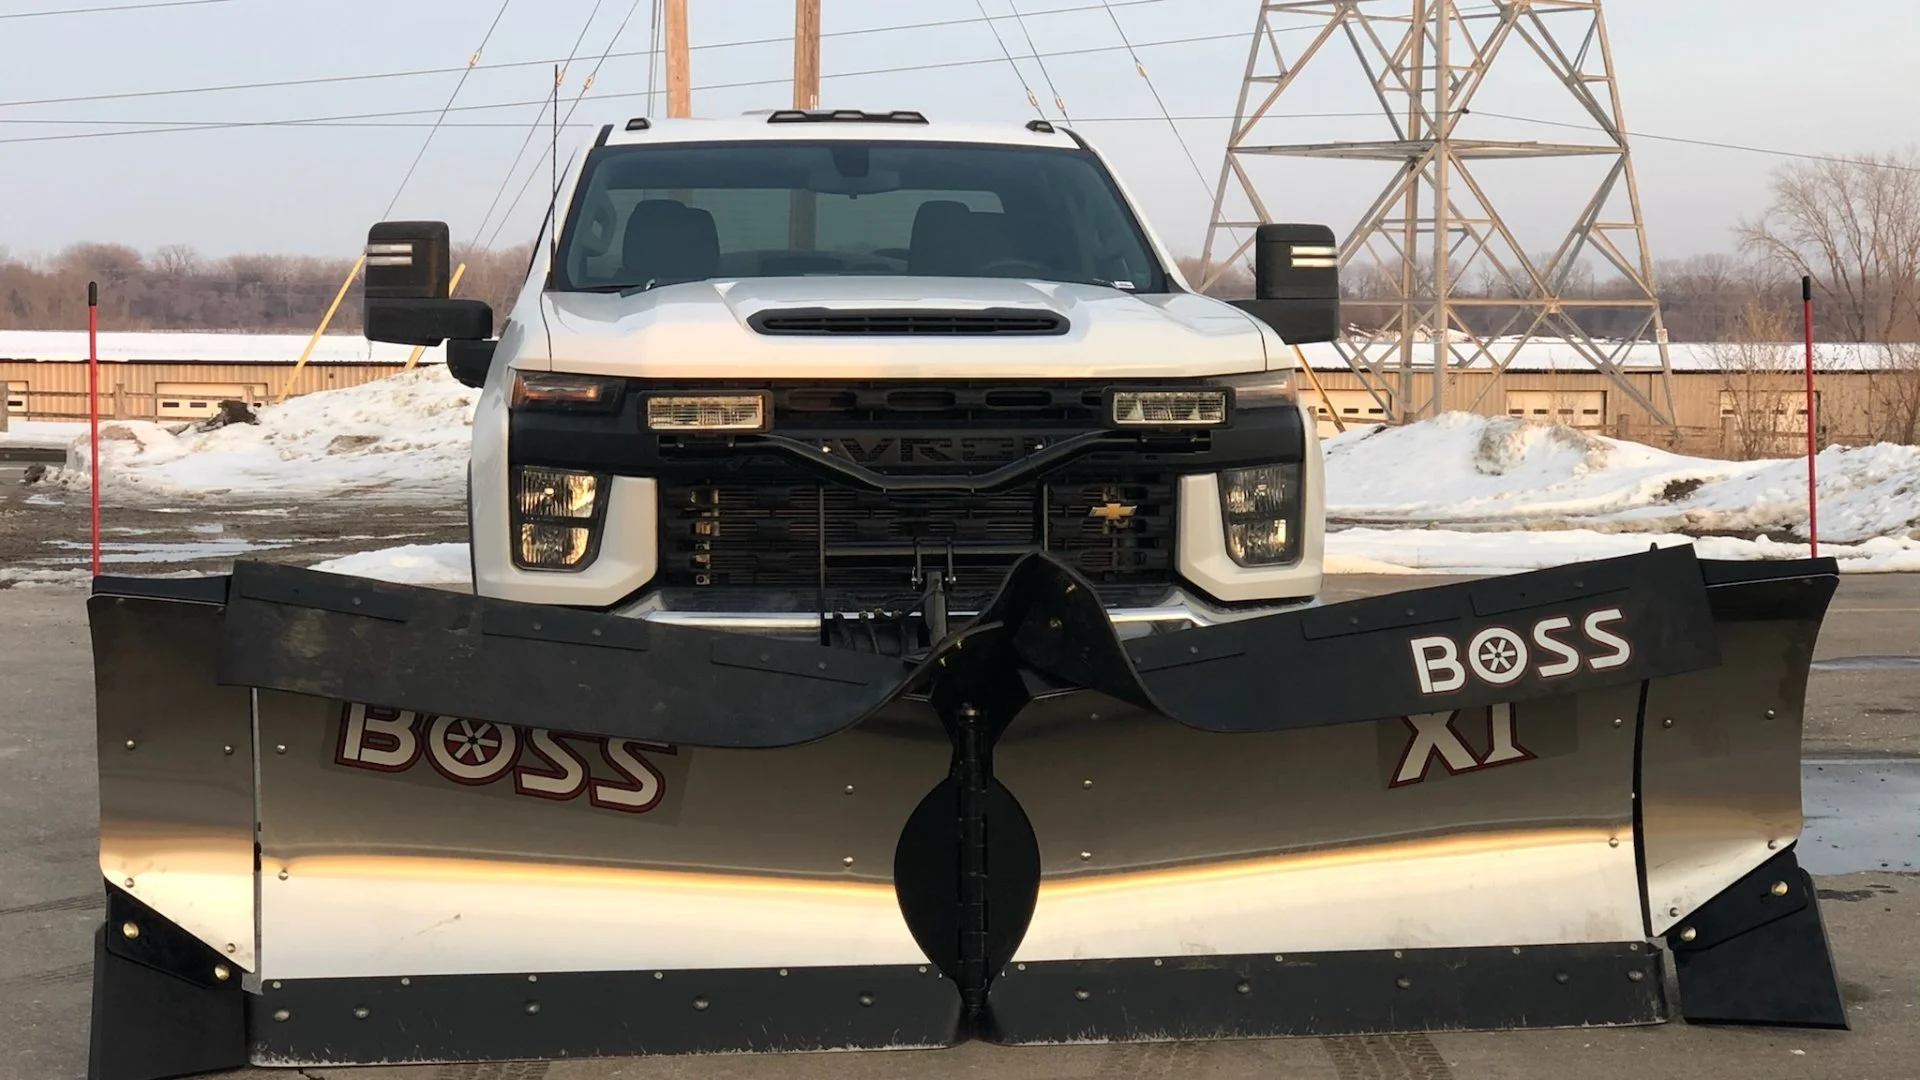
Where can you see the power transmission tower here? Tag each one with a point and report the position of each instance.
(1433, 232)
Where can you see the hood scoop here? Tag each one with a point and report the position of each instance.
(814, 322)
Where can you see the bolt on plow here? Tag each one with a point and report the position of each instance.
(349, 822)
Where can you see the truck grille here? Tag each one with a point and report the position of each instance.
(1115, 528)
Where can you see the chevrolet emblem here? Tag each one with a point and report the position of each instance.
(1112, 512)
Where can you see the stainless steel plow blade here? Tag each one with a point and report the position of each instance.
(348, 822)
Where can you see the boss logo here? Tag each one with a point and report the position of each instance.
(1500, 656)
(614, 774)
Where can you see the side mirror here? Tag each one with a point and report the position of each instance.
(469, 361)
(1296, 282)
(407, 288)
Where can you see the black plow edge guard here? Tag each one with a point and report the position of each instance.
(1628, 619)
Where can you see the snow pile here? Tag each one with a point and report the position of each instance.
(1463, 469)
(407, 434)
(42, 434)
(1448, 551)
(409, 564)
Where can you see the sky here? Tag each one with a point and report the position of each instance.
(1751, 72)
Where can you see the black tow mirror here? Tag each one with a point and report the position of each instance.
(408, 282)
(1296, 282)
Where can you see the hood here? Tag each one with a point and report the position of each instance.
(701, 330)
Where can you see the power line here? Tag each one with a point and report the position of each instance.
(435, 130)
(651, 52)
(301, 121)
(537, 117)
(1629, 136)
(1008, 53)
(110, 9)
(1142, 69)
(517, 126)
(558, 123)
(1058, 102)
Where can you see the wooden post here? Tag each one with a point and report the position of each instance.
(1338, 424)
(803, 211)
(679, 88)
(298, 365)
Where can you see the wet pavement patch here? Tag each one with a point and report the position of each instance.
(1861, 815)
(1866, 663)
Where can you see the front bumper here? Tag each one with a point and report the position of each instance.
(787, 615)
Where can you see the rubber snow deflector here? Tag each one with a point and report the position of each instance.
(494, 830)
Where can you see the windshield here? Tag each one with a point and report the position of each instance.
(654, 215)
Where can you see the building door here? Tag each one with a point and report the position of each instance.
(16, 394)
(1354, 406)
(193, 401)
(1574, 408)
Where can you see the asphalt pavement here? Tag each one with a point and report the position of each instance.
(1860, 715)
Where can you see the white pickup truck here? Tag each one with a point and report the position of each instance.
(830, 374)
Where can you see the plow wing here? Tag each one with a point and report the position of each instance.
(350, 822)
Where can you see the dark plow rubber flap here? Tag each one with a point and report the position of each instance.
(1549, 632)
(434, 651)
(491, 830)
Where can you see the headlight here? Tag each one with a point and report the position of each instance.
(574, 393)
(1170, 408)
(556, 518)
(1260, 510)
(1260, 390)
(707, 412)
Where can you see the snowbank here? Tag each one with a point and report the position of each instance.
(406, 435)
(1447, 551)
(42, 434)
(409, 564)
(1460, 468)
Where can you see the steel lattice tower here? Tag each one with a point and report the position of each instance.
(1434, 224)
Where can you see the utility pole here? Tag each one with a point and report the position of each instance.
(806, 54)
(679, 87)
(803, 210)
(1465, 287)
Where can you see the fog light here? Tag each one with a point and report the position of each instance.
(556, 518)
(1260, 510)
(707, 412)
(1170, 408)
(553, 547)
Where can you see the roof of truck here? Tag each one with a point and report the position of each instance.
(833, 124)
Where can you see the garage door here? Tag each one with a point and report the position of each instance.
(188, 401)
(1354, 406)
(1574, 408)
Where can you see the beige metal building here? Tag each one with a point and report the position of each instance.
(1733, 401)
(182, 376)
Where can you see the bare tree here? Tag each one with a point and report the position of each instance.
(177, 261)
(1762, 404)
(1854, 227)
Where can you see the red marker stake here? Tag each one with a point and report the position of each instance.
(1813, 514)
(93, 413)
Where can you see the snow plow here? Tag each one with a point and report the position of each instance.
(352, 822)
(895, 624)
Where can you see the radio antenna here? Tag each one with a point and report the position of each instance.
(553, 167)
